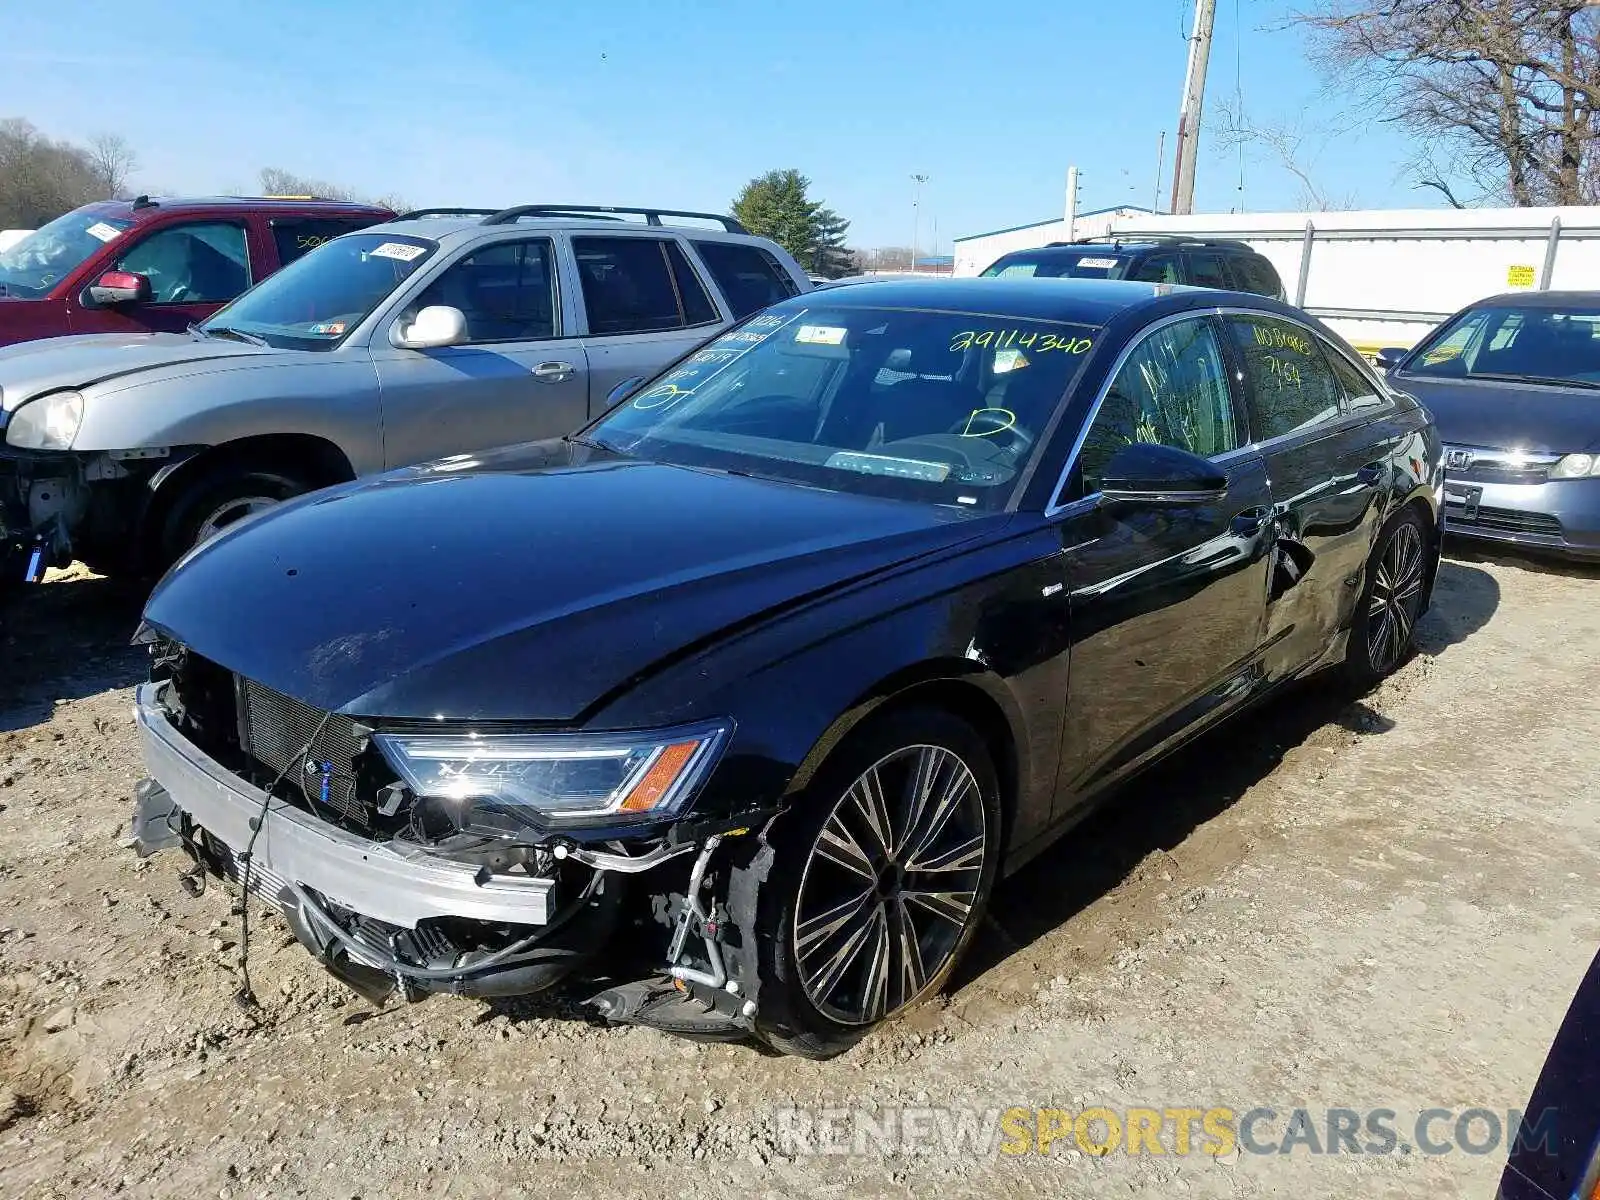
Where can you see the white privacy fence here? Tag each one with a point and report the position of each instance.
(1384, 278)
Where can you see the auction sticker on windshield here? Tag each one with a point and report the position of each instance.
(820, 335)
(1098, 264)
(398, 250)
(103, 232)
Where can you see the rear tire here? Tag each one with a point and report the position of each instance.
(216, 501)
(881, 876)
(1383, 633)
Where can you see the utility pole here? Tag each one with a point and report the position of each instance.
(1161, 158)
(916, 215)
(1194, 94)
(1072, 203)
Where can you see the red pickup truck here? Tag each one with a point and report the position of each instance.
(145, 265)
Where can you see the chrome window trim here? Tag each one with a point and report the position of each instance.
(1055, 507)
(1172, 497)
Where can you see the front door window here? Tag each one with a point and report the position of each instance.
(202, 263)
(1173, 391)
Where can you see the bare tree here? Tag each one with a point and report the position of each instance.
(39, 178)
(1426, 171)
(1506, 89)
(113, 161)
(275, 181)
(1295, 146)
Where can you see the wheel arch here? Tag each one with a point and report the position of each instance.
(975, 696)
(316, 459)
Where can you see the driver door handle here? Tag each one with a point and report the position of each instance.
(554, 372)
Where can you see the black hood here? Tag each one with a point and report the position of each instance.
(526, 587)
(1509, 416)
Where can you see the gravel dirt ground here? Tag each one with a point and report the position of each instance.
(1375, 904)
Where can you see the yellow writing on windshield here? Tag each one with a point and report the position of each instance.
(1041, 343)
(662, 396)
(997, 420)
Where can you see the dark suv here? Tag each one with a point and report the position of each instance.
(152, 266)
(1232, 266)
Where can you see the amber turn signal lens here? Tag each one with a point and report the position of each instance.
(659, 778)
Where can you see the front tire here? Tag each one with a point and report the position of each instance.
(880, 878)
(1383, 633)
(218, 501)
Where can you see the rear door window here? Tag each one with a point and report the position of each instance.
(204, 262)
(1158, 268)
(295, 236)
(1360, 393)
(1207, 270)
(1292, 386)
(697, 306)
(750, 278)
(638, 285)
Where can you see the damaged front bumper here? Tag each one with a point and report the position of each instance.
(381, 918)
(388, 916)
(57, 505)
(42, 498)
(291, 845)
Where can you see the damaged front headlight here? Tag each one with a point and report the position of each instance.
(506, 785)
(48, 423)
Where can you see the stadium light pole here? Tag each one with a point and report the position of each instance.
(917, 181)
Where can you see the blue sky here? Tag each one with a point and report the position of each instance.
(677, 103)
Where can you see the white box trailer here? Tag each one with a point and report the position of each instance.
(1386, 277)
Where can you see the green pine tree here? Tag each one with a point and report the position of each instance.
(778, 205)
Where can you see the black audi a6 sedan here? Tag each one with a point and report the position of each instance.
(733, 704)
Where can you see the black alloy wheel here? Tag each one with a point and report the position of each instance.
(1384, 630)
(882, 884)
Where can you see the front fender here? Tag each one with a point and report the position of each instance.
(977, 625)
(336, 400)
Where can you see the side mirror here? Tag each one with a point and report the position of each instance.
(623, 390)
(1145, 473)
(434, 328)
(120, 287)
(1389, 358)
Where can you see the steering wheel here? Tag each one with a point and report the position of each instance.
(997, 427)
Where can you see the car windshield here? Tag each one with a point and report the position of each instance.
(937, 407)
(1537, 343)
(317, 300)
(35, 264)
(1089, 262)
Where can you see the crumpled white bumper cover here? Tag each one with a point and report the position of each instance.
(398, 886)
